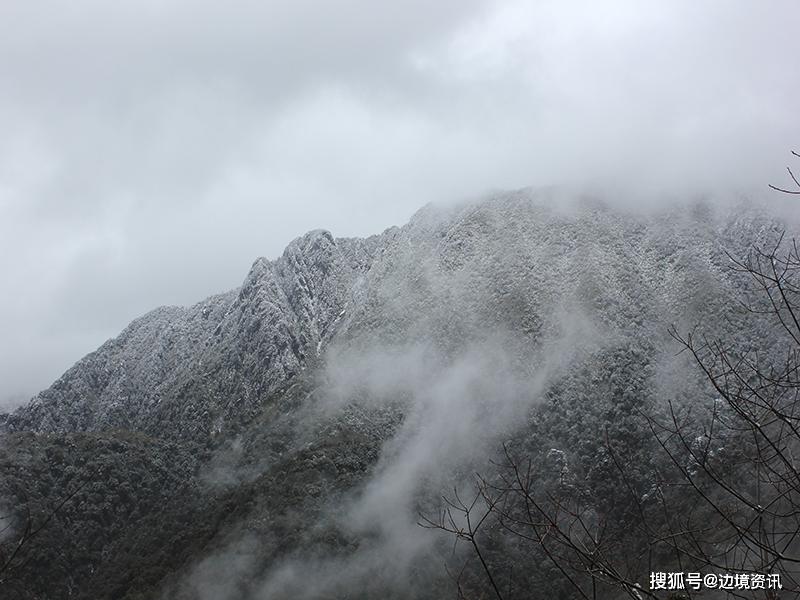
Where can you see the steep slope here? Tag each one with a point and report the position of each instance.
(305, 418)
(185, 372)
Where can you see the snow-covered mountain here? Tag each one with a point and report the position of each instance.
(185, 371)
(275, 416)
(449, 275)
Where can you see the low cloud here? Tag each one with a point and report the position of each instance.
(458, 409)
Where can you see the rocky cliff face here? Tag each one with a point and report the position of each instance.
(305, 417)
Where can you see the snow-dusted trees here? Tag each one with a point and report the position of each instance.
(708, 486)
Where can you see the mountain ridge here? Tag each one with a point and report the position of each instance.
(171, 341)
(309, 416)
(285, 311)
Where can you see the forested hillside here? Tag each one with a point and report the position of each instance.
(288, 438)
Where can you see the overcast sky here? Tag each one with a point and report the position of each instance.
(151, 150)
